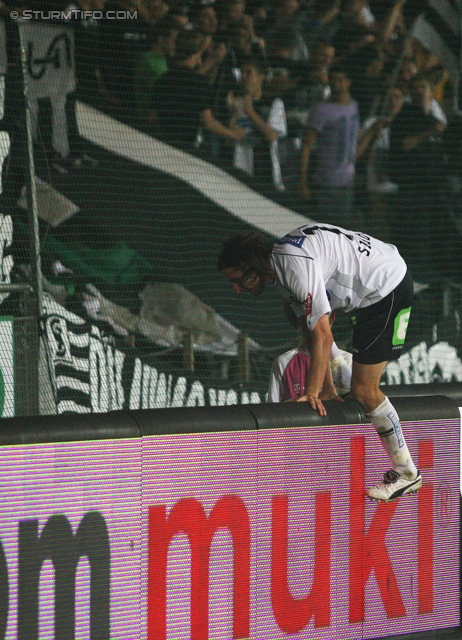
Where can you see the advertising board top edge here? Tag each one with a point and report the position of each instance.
(117, 425)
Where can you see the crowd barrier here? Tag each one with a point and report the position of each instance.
(226, 523)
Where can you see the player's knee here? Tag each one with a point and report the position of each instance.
(367, 396)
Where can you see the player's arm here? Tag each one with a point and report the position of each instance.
(321, 344)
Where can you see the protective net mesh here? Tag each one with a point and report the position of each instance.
(156, 130)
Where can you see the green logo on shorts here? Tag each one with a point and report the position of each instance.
(401, 322)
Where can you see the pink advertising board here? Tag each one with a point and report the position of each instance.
(259, 534)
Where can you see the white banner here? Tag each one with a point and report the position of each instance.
(50, 59)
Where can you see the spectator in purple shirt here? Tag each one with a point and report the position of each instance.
(331, 140)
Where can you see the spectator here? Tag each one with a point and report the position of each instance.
(153, 64)
(417, 167)
(286, 14)
(264, 123)
(289, 370)
(407, 71)
(231, 12)
(333, 125)
(87, 40)
(365, 70)
(240, 44)
(122, 43)
(358, 29)
(179, 119)
(323, 20)
(203, 18)
(301, 85)
(374, 144)
(179, 13)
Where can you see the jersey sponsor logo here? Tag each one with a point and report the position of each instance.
(295, 241)
(307, 304)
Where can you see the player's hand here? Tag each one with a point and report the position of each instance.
(314, 402)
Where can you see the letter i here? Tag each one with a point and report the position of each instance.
(425, 552)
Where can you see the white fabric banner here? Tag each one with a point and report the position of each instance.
(50, 59)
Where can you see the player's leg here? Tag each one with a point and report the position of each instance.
(378, 337)
(403, 477)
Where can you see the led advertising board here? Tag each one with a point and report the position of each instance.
(259, 534)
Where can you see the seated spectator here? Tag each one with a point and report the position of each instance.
(288, 373)
(153, 64)
(183, 100)
(264, 123)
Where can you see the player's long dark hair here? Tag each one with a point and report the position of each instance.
(247, 252)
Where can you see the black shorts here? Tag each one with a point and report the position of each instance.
(380, 330)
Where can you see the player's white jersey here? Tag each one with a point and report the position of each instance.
(321, 267)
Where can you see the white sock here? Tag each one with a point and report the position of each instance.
(387, 424)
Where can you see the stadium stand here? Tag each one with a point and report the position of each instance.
(130, 212)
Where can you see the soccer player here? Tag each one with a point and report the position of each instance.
(321, 268)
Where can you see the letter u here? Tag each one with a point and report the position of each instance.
(293, 614)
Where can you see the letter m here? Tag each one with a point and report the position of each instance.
(58, 543)
(188, 516)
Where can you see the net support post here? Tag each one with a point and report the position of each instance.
(243, 357)
(188, 351)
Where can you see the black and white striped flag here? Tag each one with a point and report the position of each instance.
(438, 28)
